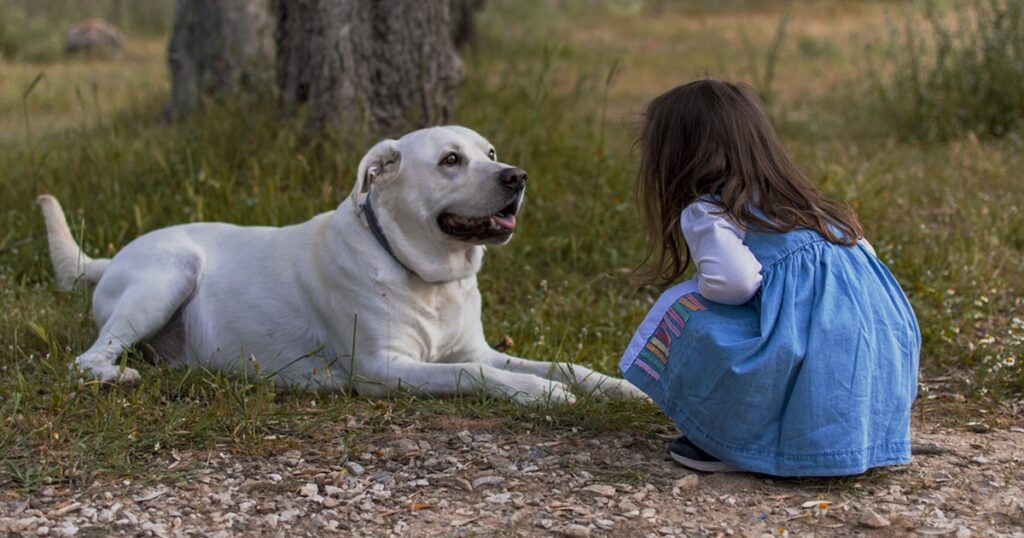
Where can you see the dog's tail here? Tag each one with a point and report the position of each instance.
(70, 264)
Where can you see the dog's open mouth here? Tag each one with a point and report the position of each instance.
(491, 228)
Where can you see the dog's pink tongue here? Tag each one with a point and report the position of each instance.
(508, 222)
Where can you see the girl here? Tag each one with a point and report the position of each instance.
(793, 352)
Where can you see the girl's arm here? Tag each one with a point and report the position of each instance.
(727, 272)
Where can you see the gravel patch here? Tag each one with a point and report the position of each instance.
(482, 479)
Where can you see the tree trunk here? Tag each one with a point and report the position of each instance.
(462, 24)
(219, 48)
(382, 67)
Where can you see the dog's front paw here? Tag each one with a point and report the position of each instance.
(619, 389)
(545, 392)
(128, 376)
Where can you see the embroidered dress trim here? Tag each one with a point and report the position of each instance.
(653, 357)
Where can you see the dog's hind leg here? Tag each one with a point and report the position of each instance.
(132, 306)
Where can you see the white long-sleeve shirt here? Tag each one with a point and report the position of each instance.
(727, 271)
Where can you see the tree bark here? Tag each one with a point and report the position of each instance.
(219, 48)
(382, 67)
(462, 23)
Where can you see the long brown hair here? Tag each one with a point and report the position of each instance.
(711, 138)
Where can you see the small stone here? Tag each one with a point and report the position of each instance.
(483, 438)
(575, 531)
(403, 448)
(488, 480)
(43, 531)
(628, 506)
(355, 468)
(333, 491)
(647, 513)
(331, 502)
(67, 529)
(382, 476)
(309, 490)
(963, 532)
(499, 462)
(873, 520)
(602, 490)
(465, 437)
(580, 457)
(605, 524)
(689, 481)
(500, 498)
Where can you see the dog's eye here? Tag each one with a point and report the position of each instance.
(492, 154)
(450, 159)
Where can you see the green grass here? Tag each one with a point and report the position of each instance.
(960, 77)
(558, 95)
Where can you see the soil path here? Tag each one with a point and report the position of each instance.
(445, 477)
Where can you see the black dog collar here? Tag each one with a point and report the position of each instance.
(378, 233)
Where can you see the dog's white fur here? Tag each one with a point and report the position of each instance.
(321, 304)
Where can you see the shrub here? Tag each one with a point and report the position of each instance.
(25, 37)
(949, 79)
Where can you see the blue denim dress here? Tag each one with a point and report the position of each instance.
(814, 376)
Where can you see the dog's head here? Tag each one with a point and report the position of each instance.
(440, 193)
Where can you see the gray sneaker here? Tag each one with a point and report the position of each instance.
(691, 456)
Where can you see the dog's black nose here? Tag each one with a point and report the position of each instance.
(513, 178)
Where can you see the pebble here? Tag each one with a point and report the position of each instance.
(403, 448)
(488, 480)
(689, 481)
(355, 468)
(575, 531)
(309, 490)
(873, 520)
(628, 506)
(602, 490)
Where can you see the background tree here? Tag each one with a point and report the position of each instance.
(380, 66)
(219, 47)
(462, 23)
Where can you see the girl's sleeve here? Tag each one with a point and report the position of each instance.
(727, 272)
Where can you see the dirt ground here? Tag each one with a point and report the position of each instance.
(450, 477)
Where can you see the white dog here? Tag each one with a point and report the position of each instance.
(379, 295)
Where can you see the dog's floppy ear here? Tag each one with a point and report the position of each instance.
(379, 164)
